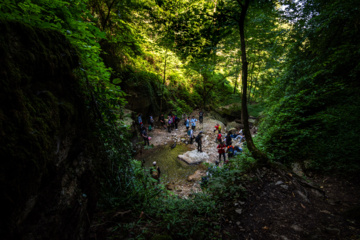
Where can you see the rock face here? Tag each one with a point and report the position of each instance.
(49, 156)
(234, 124)
(230, 112)
(194, 157)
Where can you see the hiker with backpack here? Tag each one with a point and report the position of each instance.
(155, 172)
(230, 151)
(198, 140)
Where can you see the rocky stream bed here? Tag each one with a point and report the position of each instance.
(277, 205)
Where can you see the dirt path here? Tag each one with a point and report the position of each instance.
(275, 209)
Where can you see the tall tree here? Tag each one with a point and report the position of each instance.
(315, 103)
(257, 154)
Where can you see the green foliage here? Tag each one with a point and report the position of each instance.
(225, 183)
(256, 110)
(312, 111)
(185, 218)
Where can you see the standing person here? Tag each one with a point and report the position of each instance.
(145, 136)
(221, 150)
(176, 121)
(198, 139)
(201, 116)
(191, 135)
(228, 139)
(230, 151)
(173, 122)
(193, 123)
(218, 138)
(139, 118)
(151, 121)
(162, 121)
(169, 123)
(187, 123)
(216, 127)
(155, 172)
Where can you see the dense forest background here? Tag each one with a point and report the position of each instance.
(295, 64)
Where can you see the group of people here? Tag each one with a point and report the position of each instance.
(143, 130)
(225, 145)
(171, 123)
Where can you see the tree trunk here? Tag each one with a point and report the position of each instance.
(238, 77)
(256, 153)
(251, 81)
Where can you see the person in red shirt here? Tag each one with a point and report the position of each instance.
(218, 138)
(216, 127)
(221, 150)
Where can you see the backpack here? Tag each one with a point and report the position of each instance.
(219, 136)
(197, 139)
(188, 132)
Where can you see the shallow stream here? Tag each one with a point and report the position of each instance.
(172, 169)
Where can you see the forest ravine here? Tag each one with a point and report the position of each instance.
(75, 74)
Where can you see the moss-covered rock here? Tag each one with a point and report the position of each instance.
(230, 112)
(47, 174)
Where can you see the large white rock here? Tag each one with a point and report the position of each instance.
(194, 157)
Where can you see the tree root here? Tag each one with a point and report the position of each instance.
(298, 182)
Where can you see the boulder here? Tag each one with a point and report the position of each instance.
(217, 116)
(196, 176)
(296, 167)
(234, 124)
(230, 112)
(194, 157)
(170, 186)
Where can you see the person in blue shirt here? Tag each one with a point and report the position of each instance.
(191, 135)
(139, 118)
(187, 123)
(193, 123)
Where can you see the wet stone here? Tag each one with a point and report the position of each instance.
(279, 182)
(239, 211)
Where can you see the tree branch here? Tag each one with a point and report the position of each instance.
(239, 2)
